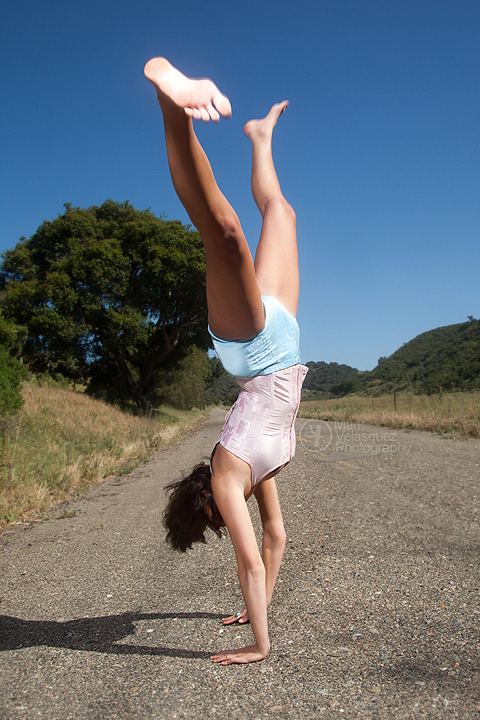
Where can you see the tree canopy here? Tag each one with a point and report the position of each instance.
(107, 294)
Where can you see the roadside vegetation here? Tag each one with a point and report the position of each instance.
(455, 415)
(61, 441)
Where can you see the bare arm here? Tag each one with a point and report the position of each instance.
(274, 537)
(273, 544)
(228, 485)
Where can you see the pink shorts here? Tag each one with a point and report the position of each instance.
(259, 428)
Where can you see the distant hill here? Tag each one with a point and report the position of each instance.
(326, 380)
(447, 358)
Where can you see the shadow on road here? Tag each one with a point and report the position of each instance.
(98, 634)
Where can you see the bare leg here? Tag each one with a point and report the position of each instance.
(276, 259)
(234, 302)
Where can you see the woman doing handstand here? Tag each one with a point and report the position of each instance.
(251, 312)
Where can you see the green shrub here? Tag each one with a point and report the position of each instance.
(12, 373)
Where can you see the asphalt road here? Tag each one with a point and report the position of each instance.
(376, 613)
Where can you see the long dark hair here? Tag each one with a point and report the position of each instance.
(191, 509)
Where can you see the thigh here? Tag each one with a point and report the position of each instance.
(235, 309)
(276, 259)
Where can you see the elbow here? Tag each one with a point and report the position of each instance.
(275, 536)
(254, 573)
(281, 538)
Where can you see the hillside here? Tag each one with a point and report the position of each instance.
(329, 379)
(447, 359)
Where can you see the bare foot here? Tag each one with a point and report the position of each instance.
(200, 99)
(256, 129)
(243, 655)
(240, 618)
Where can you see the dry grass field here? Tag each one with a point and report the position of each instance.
(452, 414)
(62, 440)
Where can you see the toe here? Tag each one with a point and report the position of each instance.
(213, 113)
(222, 104)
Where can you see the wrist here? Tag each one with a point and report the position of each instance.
(263, 648)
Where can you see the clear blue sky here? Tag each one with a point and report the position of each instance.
(378, 151)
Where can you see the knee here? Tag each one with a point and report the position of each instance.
(229, 232)
(282, 208)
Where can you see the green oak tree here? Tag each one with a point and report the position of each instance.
(107, 294)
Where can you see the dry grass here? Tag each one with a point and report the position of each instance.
(452, 414)
(62, 441)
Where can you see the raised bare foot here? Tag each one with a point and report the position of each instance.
(200, 99)
(264, 128)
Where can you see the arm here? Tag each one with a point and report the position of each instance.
(228, 489)
(274, 539)
(274, 536)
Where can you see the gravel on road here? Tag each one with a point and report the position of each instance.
(376, 612)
